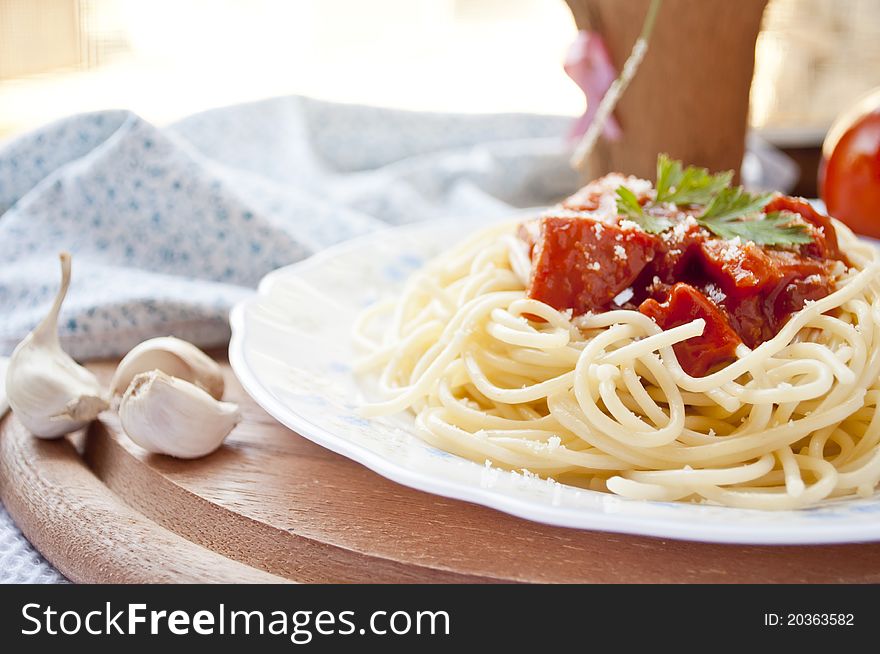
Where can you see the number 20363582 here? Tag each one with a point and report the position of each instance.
(809, 619)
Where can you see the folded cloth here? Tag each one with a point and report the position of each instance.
(169, 228)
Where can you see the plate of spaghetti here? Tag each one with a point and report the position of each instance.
(677, 358)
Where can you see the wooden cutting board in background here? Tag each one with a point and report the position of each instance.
(271, 506)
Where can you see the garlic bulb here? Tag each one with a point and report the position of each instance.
(166, 415)
(48, 391)
(174, 357)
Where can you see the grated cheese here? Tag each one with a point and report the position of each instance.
(623, 297)
(715, 293)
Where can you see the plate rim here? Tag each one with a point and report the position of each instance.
(768, 533)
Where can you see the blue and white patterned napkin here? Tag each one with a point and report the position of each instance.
(171, 227)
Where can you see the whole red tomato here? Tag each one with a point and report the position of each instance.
(849, 177)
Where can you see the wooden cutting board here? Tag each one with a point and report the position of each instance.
(271, 506)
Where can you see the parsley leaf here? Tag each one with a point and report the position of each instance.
(729, 212)
(775, 228)
(628, 205)
(725, 213)
(691, 185)
(730, 203)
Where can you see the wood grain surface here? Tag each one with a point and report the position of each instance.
(272, 506)
(677, 103)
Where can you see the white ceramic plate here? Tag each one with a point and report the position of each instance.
(292, 352)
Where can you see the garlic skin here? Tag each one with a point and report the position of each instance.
(49, 392)
(173, 356)
(4, 405)
(166, 415)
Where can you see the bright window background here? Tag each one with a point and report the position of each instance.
(169, 58)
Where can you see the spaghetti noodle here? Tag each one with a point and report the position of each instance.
(601, 400)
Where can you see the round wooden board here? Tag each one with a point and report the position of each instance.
(272, 506)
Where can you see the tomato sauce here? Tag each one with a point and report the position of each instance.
(683, 304)
(587, 258)
(599, 261)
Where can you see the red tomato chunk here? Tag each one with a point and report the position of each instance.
(684, 304)
(586, 257)
(581, 264)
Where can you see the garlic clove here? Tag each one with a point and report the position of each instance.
(173, 356)
(48, 391)
(4, 405)
(166, 415)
